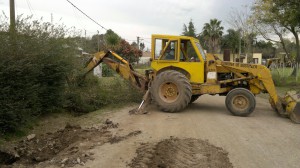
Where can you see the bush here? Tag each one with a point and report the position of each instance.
(33, 67)
(94, 93)
(106, 71)
(39, 70)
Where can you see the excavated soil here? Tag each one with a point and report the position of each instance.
(180, 153)
(64, 148)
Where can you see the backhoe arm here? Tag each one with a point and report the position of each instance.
(123, 68)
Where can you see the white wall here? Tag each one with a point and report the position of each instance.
(259, 56)
(98, 70)
(144, 60)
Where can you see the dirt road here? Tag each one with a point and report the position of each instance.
(260, 140)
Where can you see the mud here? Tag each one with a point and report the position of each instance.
(64, 148)
(180, 153)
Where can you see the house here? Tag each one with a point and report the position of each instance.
(227, 56)
(257, 58)
(145, 58)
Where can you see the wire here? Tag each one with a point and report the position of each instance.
(145, 38)
(87, 15)
(29, 6)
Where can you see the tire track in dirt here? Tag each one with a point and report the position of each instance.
(180, 153)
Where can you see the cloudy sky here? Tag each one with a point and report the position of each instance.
(130, 18)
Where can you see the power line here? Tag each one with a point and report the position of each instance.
(29, 6)
(145, 37)
(87, 15)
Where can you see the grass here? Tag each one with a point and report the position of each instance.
(104, 94)
(284, 81)
(283, 77)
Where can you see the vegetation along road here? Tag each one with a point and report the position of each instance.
(204, 134)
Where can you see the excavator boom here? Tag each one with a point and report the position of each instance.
(126, 71)
(122, 67)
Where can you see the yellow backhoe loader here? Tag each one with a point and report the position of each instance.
(181, 72)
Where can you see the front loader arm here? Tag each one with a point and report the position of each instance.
(260, 80)
(123, 68)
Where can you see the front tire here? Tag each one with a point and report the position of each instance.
(171, 91)
(240, 102)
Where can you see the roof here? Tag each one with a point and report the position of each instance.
(146, 54)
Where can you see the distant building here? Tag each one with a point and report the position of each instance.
(227, 56)
(145, 58)
(257, 58)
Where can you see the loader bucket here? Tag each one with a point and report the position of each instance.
(295, 115)
(292, 101)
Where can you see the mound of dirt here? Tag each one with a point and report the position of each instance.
(65, 148)
(174, 152)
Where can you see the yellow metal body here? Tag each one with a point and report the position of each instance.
(206, 73)
(122, 67)
(195, 70)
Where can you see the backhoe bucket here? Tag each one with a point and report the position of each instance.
(292, 102)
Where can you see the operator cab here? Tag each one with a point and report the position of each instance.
(178, 52)
(177, 48)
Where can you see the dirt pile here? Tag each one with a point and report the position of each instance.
(65, 148)
(180, 153)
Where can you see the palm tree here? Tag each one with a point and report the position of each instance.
(212, 33)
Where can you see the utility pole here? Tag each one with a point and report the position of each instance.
(98, 40)
(12, 27)
(138, 42)
(85, 41)
(12, 16)
(240, 45)
(51, 22)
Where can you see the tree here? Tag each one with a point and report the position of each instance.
(212, 33)
(266, 48)
(189, 30)
(142, 46)
(129, 52)
(112, 40)
(289, 49)
(231, 41)
(284, 13)
(240, 19)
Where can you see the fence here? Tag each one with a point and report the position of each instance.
(286, 73)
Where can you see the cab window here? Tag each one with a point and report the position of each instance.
(188, 52)
(165, 49)
(170, 51)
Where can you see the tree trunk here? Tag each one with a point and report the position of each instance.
(281, 41)
(297, 49)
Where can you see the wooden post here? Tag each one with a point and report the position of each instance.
(12, 17)
(297, 71)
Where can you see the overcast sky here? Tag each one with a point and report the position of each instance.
(130, 18)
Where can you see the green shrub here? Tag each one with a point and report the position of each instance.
(106, 71)
(95, 93)
(33, 68)
(39, 68)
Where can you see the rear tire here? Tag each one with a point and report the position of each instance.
(171, 91)
(240, 102)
